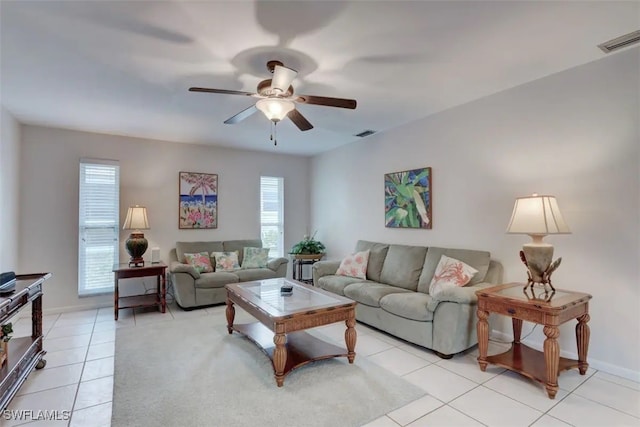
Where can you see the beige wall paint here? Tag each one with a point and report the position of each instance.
(9, 196)
(574, 135)
(149, 177)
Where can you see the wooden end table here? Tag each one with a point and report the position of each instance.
(300, 260)
(159, 298)
(541, 307)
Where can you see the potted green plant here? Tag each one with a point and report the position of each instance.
(308, 247)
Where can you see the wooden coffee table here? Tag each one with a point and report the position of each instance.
(544, 308)
(279, 331)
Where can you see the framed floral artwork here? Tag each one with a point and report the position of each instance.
(407, 199)
(198, 200)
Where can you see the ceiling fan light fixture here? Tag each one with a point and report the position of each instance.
(282, 78)
(274, 108)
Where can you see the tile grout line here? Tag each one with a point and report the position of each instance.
(84, 364)
(605, 405)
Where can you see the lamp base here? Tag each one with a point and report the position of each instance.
(537, 258)
(136, 262)
(136, 247)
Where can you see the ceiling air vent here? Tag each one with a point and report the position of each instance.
(620, 42)
(365, 133)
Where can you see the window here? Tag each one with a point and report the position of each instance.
(271, 214)
(98, 222)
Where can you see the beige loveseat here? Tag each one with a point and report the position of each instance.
(395, 296)
(193, 289)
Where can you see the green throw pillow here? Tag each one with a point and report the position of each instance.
(255, 257)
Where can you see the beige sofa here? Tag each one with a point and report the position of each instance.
(395, 297)
(194, 290)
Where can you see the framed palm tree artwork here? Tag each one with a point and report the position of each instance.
(198, 200)
(407, 199)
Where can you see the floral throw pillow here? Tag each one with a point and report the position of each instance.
(226, 261)
(449, 273)
(354, 265)
(255, 257)
(200, 261)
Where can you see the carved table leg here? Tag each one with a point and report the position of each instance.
(279, 354)
(36, 328)
(552, 359)
(231, 314)
(517, 329)
(582, 338)
(483, 338)
(116, 297)
(350, 337)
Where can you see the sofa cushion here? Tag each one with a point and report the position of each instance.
(449, 273)
(200, 261)
(408, 305)
(226, 261)
(215, 280)
(249, 274)
(335, 284)
(239, 245)
(370, 293)
(476, 259)
(377, 254)
(195, 247)
(255, 257)
(354, 265)
(403, 265)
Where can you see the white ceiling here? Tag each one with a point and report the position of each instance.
(124, 68)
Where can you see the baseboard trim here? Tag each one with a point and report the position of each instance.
(593, 363)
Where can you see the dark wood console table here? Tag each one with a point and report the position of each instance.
(159, 298)
(25, 353)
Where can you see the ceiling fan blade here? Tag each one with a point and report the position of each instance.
(329, 102)
(222, 91)
(299, 120)
(241, 115)
(282, 78)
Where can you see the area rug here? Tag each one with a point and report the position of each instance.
(192, 373)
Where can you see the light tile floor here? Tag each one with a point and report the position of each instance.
(79, 378)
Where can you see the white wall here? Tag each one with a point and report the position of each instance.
(574, 135)
(149, 177)
(9, 196)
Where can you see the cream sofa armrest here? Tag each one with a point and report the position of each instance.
(275, 263)
(461, 295)
(178, 267)
(324, 268)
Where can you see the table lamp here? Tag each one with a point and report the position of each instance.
(537, 216)
(136, 243)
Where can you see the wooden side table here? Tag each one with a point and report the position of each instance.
(544, 308)
(159, 299)
(299, 260)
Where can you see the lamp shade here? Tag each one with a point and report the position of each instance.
(136, 219)
(275, 109)
(537, 216)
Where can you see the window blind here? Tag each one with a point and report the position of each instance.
(272, 215)
(98, 220)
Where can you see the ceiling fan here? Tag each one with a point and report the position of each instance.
(277, 100)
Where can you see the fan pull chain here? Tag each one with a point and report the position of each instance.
(274, 134)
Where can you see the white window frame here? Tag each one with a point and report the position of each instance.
(268, 223)
(98, 227)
